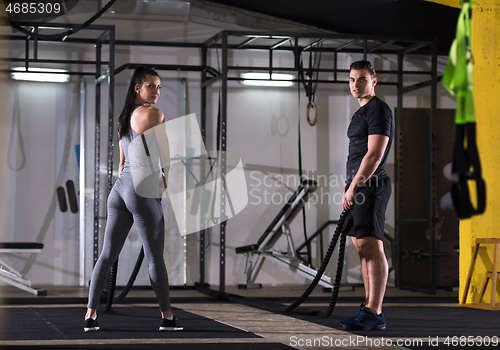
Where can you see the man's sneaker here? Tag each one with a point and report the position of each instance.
(366, 321)
(348, 320)
(90, 325)
(170, 325)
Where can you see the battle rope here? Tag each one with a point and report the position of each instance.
(458, 81)
(133, 276)
(277, 307)
(108, 295)
(111, 287)
(338, 232)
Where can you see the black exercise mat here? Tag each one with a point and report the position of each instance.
(121, 323)
(418, 322)
(190, 299)
(83, 300)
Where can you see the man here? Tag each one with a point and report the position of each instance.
(367, 192)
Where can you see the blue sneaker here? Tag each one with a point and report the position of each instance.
(366, 321)
(348, 320)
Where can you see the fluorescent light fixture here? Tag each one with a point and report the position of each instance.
(46, 74)
(264, 79)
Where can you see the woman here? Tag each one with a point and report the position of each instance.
(126, 205)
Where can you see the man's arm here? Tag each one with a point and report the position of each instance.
(370, 162)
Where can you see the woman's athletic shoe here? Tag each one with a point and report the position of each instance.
(90, 325)
(170, 325)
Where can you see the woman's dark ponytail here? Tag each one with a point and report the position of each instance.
(138, 77)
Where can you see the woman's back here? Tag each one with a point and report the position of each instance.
(146, 151)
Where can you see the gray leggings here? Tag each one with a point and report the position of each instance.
(125, 207)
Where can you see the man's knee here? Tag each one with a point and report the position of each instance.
(369, 246)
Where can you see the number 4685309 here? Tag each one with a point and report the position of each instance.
(33, 7)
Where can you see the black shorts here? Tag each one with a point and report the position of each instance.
(367, 216)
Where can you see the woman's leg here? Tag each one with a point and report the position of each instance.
(150, 223)
(118, 225)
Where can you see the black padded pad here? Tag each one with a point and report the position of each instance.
(278, 217)
(21, 245)
(247, 248)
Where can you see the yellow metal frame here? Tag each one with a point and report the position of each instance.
(493, 275)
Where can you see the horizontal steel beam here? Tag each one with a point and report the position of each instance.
(418, 86)
(323, 70)
(319, 81)
(38, 60)
(176, 67)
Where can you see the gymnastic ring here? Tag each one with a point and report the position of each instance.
(315, 115)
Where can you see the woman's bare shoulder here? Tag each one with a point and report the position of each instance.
(148, 112)
(145, 118)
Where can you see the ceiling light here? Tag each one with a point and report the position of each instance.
(40, 74)
(265, 79)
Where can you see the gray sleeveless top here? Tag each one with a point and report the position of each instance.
(145, 170)
(127, 139)
(138, 155)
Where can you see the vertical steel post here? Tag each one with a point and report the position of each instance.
(204, 51)
(35, 45)
(97, 149)
(111, 101)
(83, 207)
(297, 59)
(27, 52)
(397, 187)
(223, 140)
(433, 167)
(270, 63)
(335, 59)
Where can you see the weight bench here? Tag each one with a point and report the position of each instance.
(13, 277)
(256, 253)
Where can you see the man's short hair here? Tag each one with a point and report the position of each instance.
(357, 65)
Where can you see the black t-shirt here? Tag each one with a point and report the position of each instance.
(374, 118)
